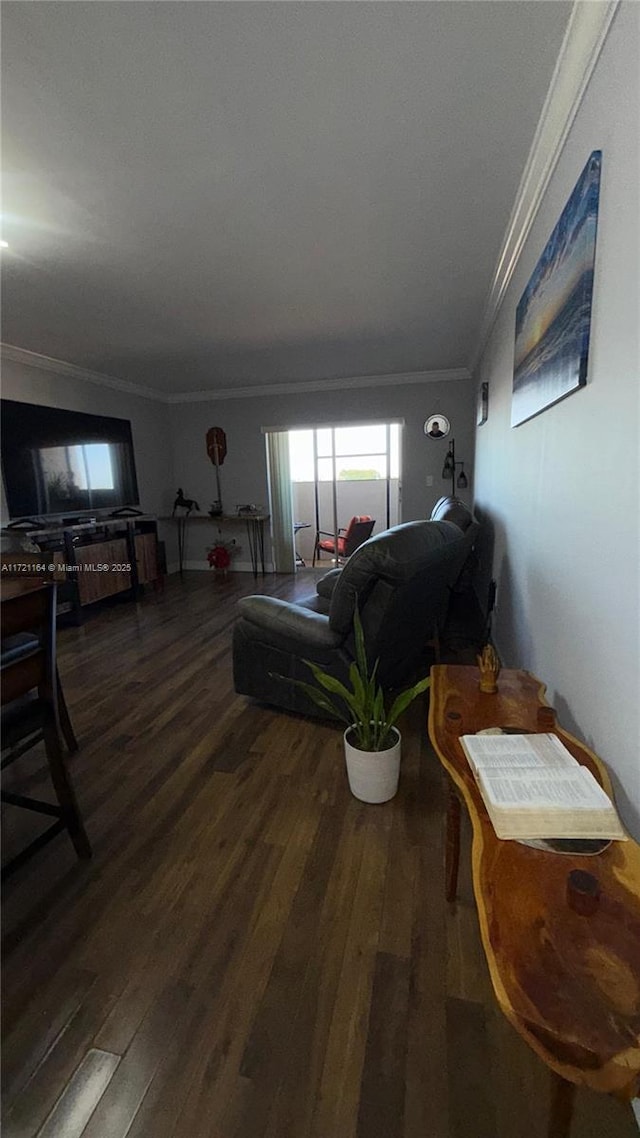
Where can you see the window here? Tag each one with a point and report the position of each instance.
(354, 453)
(70, 469)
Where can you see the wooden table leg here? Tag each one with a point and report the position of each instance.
(560, 1107)
(452, 847)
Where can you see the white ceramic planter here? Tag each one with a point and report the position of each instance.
(373, 775)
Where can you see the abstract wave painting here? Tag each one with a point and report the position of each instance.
(553, 317)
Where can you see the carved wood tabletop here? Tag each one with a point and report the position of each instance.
(568, 982)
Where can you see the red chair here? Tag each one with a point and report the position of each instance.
(356, 533)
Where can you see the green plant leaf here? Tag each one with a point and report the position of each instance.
(361, 652)
(358, 686)
(317, 697)
(377, 717)
(405, 698)
(322, 701)
(366, 736)
(330, 683)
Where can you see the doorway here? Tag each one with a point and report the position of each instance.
(339, 472)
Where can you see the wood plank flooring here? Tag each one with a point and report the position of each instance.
(251, 953)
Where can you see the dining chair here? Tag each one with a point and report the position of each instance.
(31, 713)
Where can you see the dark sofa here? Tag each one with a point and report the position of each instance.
(451, 509)
(402, 580)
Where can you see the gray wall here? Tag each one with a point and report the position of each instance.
(149, 422)
(244, 473)
(170, 441)
(562, 491)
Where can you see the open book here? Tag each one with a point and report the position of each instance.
(532, 787)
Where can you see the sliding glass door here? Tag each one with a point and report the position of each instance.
(340, 472)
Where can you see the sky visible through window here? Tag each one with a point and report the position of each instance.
(360, 452)
(86, 466)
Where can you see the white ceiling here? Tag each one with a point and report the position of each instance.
(203, 195)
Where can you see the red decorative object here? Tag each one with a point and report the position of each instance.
(219, 557)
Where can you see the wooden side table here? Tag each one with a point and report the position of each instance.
(297, 526)
(568, 981)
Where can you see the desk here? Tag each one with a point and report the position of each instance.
(254, 523)
(569, 984)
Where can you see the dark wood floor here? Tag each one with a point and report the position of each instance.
(252, 953)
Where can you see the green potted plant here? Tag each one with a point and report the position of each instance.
(372, 742)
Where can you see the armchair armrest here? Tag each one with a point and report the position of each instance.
(310, 629)
(326, 584)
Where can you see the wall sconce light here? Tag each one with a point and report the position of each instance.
(449, 468)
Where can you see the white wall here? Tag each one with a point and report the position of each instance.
(149, 422)
(562, 491)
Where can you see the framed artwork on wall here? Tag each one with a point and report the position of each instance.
(553, 317)
(483, 404)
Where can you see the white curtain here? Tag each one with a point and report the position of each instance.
(280, 503)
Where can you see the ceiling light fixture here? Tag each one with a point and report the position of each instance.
(4, 244)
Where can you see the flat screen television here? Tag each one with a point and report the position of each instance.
(58, 463)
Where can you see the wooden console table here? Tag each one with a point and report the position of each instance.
(568, 983)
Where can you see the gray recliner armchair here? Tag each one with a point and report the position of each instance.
(401, 579)
(452, 509)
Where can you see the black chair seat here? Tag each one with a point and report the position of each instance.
(18, 646)
(20, 719)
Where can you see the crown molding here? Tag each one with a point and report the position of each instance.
(61, 367)
(300, 386)
(584, 38)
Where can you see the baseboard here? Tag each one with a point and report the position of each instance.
(201, 566)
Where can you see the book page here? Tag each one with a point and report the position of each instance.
(541, 752)
(562, 789)
(532, 787)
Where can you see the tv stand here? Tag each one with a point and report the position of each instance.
(94, 560)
